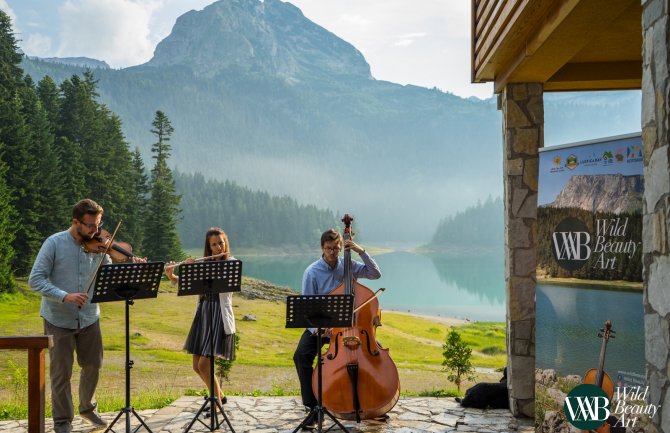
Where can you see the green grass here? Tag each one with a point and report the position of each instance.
(162, 370)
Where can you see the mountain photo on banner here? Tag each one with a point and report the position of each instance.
(260, 95)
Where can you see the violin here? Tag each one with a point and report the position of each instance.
(360, 380)
(119, 251)
(598, 376)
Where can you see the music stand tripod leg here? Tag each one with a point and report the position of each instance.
(212, 400)
(128, 409)
(319, 409)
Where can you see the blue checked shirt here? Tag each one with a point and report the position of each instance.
(62, 267)
(319, 278)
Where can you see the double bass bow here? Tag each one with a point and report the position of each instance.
(360, 380)
(598, 376)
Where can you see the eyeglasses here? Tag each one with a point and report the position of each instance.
(92, 225)
(332, 249)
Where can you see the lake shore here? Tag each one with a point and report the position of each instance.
(596, 284)
(449, 321)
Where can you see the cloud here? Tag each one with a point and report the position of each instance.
(37, 44)
(116, 31)
(9, 11)
(408, 39)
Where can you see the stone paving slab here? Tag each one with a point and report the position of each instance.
(284, 414)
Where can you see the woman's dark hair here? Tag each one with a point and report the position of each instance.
(215, 231)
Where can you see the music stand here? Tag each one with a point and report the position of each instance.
(210, 278)
(319, 311)
(127, 281)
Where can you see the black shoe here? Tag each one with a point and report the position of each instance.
(224, 400)
(310, 422)
(208, 413)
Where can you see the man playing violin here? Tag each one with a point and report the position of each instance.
(320, 278)
(62, 274)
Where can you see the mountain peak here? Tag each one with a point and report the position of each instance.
(258, 37)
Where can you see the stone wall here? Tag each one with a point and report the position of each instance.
(656, 257)
(523, 135)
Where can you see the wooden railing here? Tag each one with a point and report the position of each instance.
(35, 346)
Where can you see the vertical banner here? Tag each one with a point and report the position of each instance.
(589, 317)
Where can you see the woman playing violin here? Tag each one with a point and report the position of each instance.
(197, 342)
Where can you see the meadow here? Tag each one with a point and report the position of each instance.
(264, 365)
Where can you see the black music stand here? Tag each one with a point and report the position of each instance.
(127, 281)
(319, 311)
(210, 278)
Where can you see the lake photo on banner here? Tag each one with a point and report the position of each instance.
(465, 288)
(568, 320)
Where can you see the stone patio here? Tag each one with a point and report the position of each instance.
(284, 414)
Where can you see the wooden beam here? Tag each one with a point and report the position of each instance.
(35, 346)
(564, 32)
(598, 71)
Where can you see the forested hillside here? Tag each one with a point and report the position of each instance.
(251, 218)
(478, 229)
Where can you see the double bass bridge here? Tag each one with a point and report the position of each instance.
(351, 342)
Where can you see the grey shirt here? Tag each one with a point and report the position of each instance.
(62, 267)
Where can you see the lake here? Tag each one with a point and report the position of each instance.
(568, 320)
(471, 288)
(474, 288)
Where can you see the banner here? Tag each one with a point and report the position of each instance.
(589, 272)
(590, 210)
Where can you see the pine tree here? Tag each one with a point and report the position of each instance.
(47, 195)
(10, 81)
(19, 155)
(49, 95)
(161, 241)
(7, 230)
(138, 201)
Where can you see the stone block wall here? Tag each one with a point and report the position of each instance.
(656, 210)
(523, 134)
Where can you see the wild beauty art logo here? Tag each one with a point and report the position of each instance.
(572, 244)
(587, 406)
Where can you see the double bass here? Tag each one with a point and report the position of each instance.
(360, 380)
(598, 376)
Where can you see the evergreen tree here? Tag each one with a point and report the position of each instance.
(138, 201)
(49, 95)
(48, 202)
(161, 241)
(19, 155)
(10, 72)
(7, 230)
(10, 81)
(94, 151)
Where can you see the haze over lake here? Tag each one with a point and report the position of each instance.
(466, 288)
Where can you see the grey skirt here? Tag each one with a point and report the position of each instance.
(198, 340)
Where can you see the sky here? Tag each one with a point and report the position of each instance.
(425, 42)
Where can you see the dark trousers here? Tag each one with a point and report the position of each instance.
(303, 358)
(87, 342)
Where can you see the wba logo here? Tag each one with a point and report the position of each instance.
(570, 244)
(587, 407)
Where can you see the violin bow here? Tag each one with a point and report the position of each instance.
(376, 294)
(102, 257)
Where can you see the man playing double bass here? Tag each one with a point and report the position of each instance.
(320, 278)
